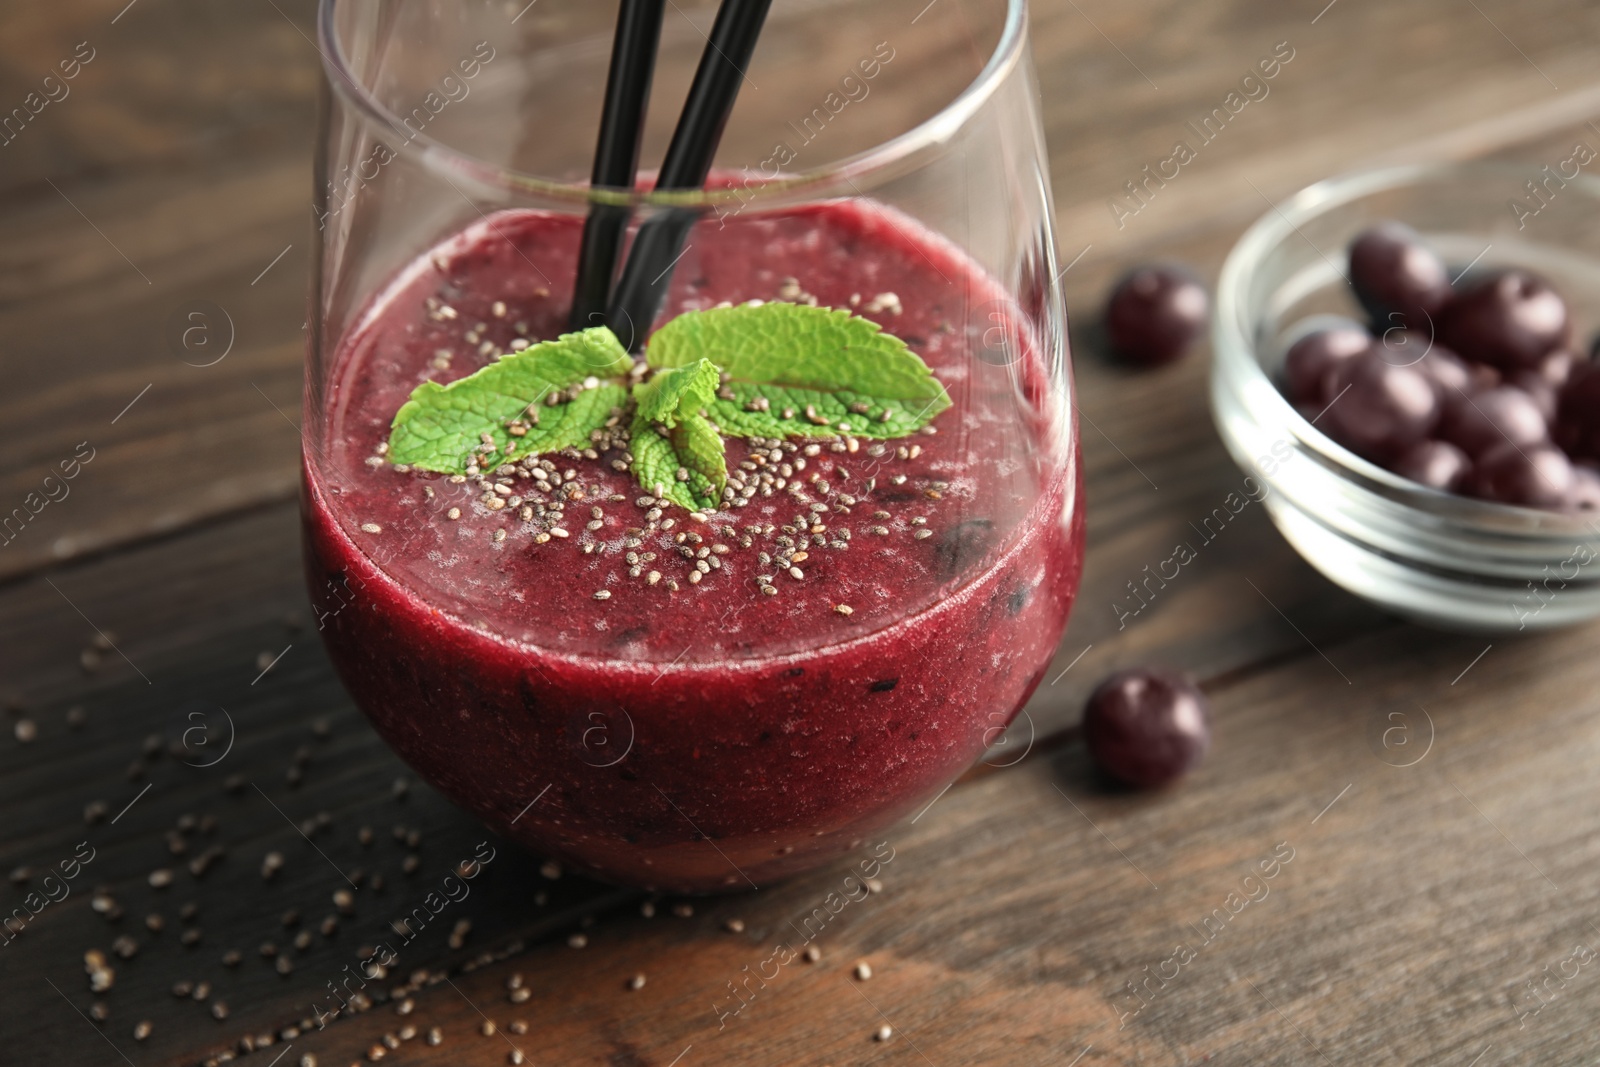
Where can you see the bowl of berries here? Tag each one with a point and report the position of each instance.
(1404, 359)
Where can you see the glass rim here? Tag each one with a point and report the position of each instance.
(840, 174)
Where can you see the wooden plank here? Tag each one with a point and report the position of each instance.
(175, 88)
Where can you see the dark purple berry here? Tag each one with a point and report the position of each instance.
(1412, 348)
(1535, 476)
(1556, 367)
(1509, 319)
(1478, 422)
(1155, 313)
(1379, 410)
(1584, 496)
(1447, 370)
(1544, 395)
(1146, 727)
(1398, 279)
(1308, 365)
(1577, 425)
(1481, 376)
(1436, 464)
(1544, 380)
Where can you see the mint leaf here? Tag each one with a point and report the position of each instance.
(693, 447)
(440, 428)
(796, 370)
(670, 437)
(691, 388)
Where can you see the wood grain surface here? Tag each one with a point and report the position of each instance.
(1444, 911)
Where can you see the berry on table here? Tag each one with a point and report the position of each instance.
(1147, 727)
(1155, 313)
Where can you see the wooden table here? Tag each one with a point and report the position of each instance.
(1440, 912)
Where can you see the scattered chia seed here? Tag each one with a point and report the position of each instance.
(863, 970)
(636, 982)
(844, 609)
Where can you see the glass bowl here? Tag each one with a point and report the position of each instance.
(1433, 557)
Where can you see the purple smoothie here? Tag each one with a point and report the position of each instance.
(705, 734)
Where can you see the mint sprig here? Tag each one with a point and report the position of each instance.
(775, 370)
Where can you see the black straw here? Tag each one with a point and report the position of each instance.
(616, 156)
(659, 243)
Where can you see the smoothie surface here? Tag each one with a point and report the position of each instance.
(839, 539)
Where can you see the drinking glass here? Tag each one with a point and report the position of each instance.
(706, 701)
